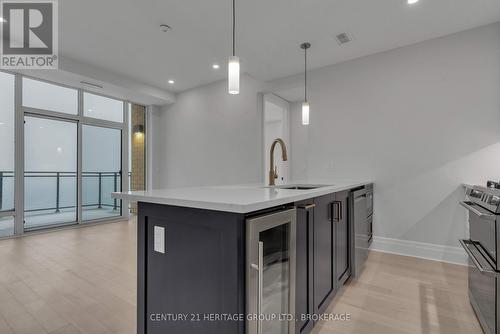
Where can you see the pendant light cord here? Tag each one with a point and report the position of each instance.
(305, 74)
(234, 27)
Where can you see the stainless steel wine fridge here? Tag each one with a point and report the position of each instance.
(271, 273)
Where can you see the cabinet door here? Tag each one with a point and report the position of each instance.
(324, 253)
(304, 303)
(342, 240)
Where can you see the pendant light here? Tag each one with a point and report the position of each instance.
(233, 66)
(305, 104)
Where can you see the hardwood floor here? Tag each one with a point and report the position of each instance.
(84, 281)
(73, 281)
(404, 295)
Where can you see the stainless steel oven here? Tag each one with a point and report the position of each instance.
(482, 248)
(271, 273)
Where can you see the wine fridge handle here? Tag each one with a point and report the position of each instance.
(260, 287)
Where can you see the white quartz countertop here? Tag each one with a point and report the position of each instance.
(238, 198)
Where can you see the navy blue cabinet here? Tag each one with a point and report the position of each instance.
(202, 267)
(323, 254)
(325, 281)
(342, 237)
(201, 271)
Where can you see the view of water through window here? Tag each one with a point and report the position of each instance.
(51, 179)
(101, 172)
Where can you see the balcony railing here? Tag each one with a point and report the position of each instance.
(58, 177)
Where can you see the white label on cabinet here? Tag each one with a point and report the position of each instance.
(159, 239)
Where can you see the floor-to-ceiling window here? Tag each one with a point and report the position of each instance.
(101, 172)
(102, 156)
(68, 145)
(7, 112)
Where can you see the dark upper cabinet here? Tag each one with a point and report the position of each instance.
(325, 280)
(304, 302)
(342, 237)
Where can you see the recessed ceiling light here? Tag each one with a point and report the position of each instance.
(2, 20)
(215, 66)
(165, 28)
(171, 82)
(411, 2)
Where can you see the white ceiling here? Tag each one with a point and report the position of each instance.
(123, 36)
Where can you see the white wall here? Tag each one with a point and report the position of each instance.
(209, 137)
(152, 145)
(418, 120)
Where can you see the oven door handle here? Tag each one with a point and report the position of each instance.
(476, 262)
(477, 212)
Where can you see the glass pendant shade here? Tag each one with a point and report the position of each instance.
(233, 68)
(305, 113)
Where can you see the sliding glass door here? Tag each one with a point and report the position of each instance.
(101, 172)
(50, 177)
(63, 151)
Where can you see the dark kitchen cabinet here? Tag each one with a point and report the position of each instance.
(342, 237)
(323, 254)
(200, 271)
(304, 302)
(325, 280)
(193, 261)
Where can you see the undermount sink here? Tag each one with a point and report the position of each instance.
(301, 186)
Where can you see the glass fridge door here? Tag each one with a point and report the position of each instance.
(275, 279)
(271, 273)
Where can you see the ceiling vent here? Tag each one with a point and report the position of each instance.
(343, 38)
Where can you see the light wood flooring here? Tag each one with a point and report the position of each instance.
(84, 281)
(404, 295)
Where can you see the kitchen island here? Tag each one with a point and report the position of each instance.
(235, 258)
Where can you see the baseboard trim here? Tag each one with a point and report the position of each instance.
(422, 250)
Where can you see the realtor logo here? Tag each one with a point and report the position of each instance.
(29, 32)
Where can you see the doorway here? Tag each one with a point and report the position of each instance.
(276, 125)
(50, 177)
